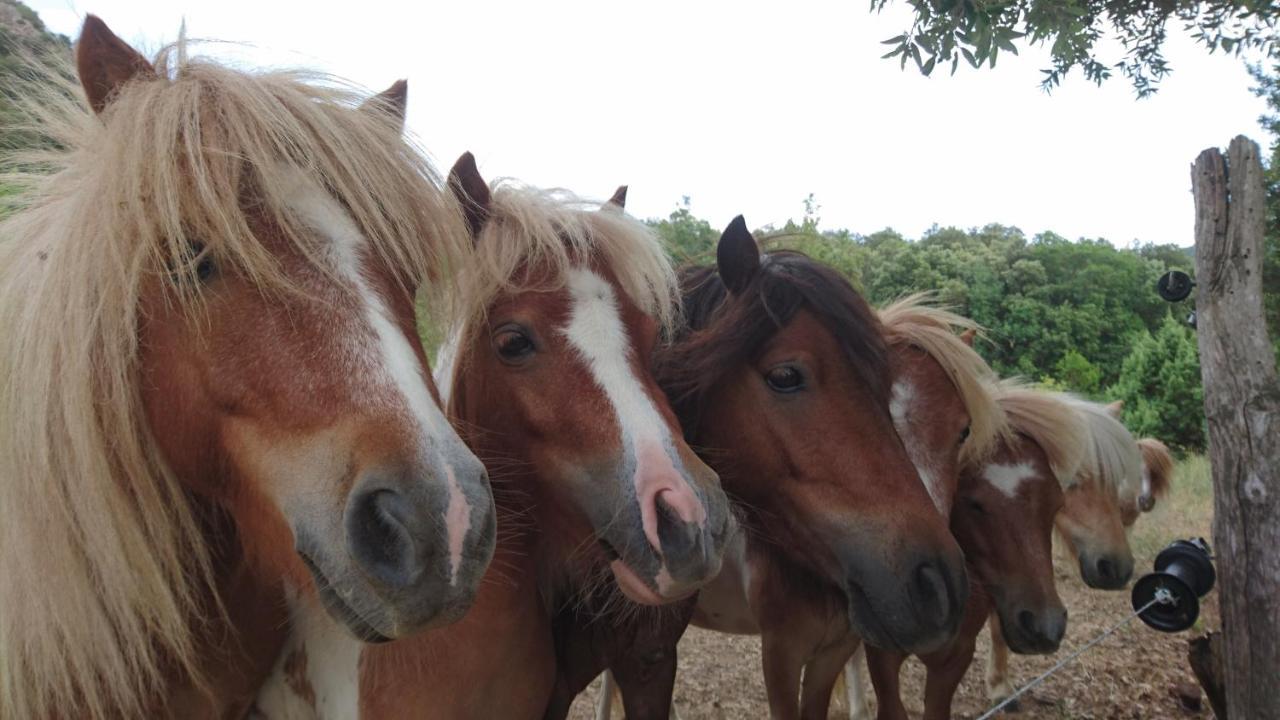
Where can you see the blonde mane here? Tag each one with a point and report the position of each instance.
(935, 330)
(1159, 463)
(106, 573)
(1049, 422)
(1111, 456)
(530, 231)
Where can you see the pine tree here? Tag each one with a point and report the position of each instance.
(1159, 383)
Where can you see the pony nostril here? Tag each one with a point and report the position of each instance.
(379, 539)
(929, 595)
(677, 537)
(1058, 626)
(1027, 621)
(1106, 570)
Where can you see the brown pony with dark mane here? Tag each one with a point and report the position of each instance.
(214, 398)
(781, 378)
(597, 494)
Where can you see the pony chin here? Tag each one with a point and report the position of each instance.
(633, 587)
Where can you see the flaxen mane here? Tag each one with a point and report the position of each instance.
(103, 563)
(722, 332)
(1159, 464)
(1112, 457)
(528, 232)
(911, 321)
(1049, 422)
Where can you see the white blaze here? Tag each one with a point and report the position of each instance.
(391, 364)
(1007, 478)
(902, 400)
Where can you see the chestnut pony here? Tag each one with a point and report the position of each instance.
(213, 396)
(1003, 518)
(781, 378)
(596, 491)
(1091, 525)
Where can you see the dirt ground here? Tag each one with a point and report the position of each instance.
(1131, 675)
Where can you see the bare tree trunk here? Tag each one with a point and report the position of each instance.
(1242, 406)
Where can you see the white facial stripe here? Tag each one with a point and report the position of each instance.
(595, 330)
(902, 400)
(395, 366)
(1146, 480)
(1007, 478)
(457, 522)
(447, 363)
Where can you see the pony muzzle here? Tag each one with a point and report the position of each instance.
(1030, 630)
(685, 520)
(413, 552)
(1105, 571)
(917, 609)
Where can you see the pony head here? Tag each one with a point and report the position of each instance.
(208, 310)
(1157, 476)
(562, 310)
(782, 378)
(1004, 515)
(939, 399)
(1106, 487)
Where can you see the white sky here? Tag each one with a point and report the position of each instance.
(747, 107)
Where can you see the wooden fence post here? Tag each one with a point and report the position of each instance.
(1242, 406)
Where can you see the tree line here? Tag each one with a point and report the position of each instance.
(1081, 316)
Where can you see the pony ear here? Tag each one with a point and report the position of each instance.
(394, 101)
(1116, 408)
(471, 191)
(106, 63)
(737, 256)
(967, 336)
(619, 199)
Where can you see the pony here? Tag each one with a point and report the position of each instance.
(941, 402)
(1091, 525)
(546, 368)
(941, 408)
(1003, 519)
(780, 376)
(1157, 476)
(213, 396)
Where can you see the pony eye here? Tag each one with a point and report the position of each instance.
(513, 346)
(205, 268)
(198, 260)
(784, 379)
(964, 434)
(975, 506)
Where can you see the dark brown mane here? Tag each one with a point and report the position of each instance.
(720, 331)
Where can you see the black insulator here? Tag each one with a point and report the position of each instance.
(1175, 286)
(1183, 574)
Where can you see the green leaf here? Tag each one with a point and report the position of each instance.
(894, 40)
(1004, 44)
(969, 56)
(893, 53)
(928, 66)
